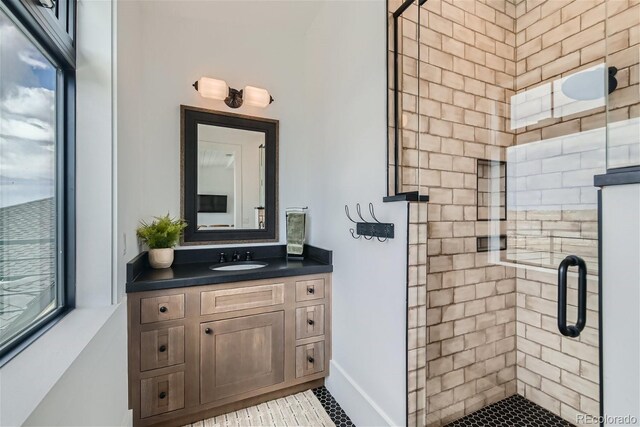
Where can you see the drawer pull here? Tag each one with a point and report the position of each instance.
(308, 290)
(310, 322)
(161, 309)
(162, 395)
(310, 359)
(208, 331)
(162, 348)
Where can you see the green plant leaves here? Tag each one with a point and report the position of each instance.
(163, 232)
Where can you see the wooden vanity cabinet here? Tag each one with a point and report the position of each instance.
(201, 351)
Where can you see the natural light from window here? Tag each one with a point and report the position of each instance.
(28, 221)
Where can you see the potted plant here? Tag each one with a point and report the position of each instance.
(161, 236)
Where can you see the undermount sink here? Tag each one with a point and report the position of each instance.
(237, 266)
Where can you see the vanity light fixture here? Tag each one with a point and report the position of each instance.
(234, 98)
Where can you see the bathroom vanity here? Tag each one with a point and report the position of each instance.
(205, 342)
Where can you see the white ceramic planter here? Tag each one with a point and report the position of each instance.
(161, 258)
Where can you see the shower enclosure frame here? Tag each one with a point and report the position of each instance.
(396, 184)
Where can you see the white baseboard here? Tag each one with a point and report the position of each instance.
(358, 405)
(127, 419)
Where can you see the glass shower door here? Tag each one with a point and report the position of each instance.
(552, 236)
(559, 118)
(503, 113)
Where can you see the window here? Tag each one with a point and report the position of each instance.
(35, 288)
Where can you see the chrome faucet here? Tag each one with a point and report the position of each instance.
(236, 256)
(222, 258)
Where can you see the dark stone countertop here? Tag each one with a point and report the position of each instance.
(191, 267)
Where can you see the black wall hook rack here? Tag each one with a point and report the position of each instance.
(382, 231)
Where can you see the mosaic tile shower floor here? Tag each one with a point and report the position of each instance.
(514, 411)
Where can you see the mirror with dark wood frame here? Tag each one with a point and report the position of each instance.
(229, 177)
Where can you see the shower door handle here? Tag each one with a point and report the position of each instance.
(573, 330)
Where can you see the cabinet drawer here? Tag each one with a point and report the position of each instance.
(158, 309)
(309, 359)
(309, 290)
(225, 300)
(164, 393)
(161, 347)
(309, 321)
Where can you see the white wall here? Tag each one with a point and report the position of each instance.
(620, 301)
(346, 79)
(94, 154)
(93, 392)
(329, 84)
(131, 147)
(163, 48)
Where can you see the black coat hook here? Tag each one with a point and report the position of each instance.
(369, 229)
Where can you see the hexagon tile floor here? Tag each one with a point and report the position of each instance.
(514, 411)
(337, 414)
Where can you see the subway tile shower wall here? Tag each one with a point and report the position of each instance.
(469, 356)
(482, 325)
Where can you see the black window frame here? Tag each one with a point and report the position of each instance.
(59, 47)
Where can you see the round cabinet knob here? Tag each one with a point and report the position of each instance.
(311, 291)
(162, 395)
(162, 348)
(310, 322)
(163, 309)
(208, 331)
(310, 359)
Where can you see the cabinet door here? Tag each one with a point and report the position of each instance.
(242, 354)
